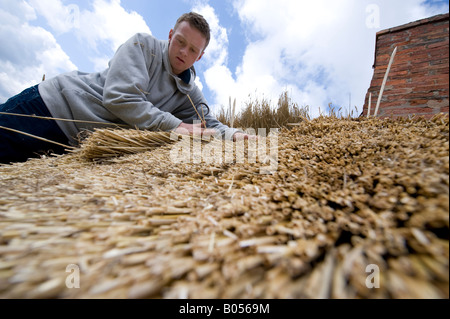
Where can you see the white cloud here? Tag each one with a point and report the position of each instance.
(60, 18)
(216, 55)
(27, 52)
(110, 22)
(199, 83)
(320, 51)
(216, 52)
(15, 11)
(104, 27)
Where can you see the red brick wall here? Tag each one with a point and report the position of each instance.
(418, 82)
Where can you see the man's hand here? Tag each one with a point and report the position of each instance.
(238, 136)
(195, 130)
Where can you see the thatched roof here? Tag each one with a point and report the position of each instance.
(346, 194)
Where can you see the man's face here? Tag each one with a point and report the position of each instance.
(186, 45)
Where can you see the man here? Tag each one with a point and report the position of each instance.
(149, 84)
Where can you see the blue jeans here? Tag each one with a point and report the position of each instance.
(15, 147)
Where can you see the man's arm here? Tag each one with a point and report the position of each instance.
(194, 129)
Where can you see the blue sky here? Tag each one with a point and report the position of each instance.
(320, 51)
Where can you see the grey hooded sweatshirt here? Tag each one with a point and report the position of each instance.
(138, 89)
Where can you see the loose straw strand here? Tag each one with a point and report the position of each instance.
(198, 114)
(384, 81)
(36, 137)
(59, 119)
(203, 117)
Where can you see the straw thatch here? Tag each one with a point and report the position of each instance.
(347, 194)
(107, 143)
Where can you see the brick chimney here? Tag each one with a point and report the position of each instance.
(418, 82)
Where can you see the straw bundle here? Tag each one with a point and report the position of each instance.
(107, 143)
(347, 194)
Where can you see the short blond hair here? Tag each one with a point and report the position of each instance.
(196, 21)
